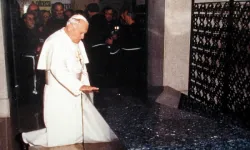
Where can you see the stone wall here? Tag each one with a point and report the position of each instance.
(177, 43)
(4, 98)
(156, 11)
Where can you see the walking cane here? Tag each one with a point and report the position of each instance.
(82, 120)
(79, 57)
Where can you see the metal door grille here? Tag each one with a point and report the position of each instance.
(219, 75)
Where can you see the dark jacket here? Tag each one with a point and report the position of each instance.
(130, 37)
(98, 30)
(27, 40)
(55, 24)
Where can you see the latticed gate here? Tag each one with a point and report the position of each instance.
(219, 77)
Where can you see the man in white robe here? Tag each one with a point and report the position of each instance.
(69, 115)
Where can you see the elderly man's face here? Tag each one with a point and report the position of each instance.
(59, 11)
(109, 14)
(30, 21)
(123, 14)
(126, 17)
(79, 31)
(68, 14)
(34, 9)
(46, 16)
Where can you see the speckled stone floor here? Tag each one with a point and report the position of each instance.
(155, 126)
(152, 126)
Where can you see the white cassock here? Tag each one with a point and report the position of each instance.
(62, 98)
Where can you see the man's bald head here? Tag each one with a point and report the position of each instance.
(33, 8)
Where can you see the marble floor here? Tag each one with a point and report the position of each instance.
(146, 125)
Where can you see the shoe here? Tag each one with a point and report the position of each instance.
(22, 145)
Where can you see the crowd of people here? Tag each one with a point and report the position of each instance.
(114, 45)
(77, 53)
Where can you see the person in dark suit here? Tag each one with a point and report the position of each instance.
(132, 57)
(97, 50)
(58, 20)
(27, 43)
